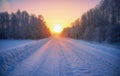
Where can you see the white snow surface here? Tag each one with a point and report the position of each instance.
(6, 44)
(60, 57)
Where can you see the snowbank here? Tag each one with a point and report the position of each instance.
(11, 57)
(7, 44)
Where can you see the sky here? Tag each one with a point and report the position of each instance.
(55, 12)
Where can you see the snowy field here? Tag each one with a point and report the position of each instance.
(60, 57)
(6, 44)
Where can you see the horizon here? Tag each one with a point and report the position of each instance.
(59, 37)
(55, 12)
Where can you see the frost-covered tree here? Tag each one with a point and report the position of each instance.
(101, 23)
(21, 25)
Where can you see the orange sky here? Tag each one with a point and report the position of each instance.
(61, 12)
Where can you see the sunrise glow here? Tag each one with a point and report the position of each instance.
(57, 28)
(53, 11)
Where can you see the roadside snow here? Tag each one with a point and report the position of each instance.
(60, 57)
(11, 57)
(6, 44)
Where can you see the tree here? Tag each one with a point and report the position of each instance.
(21, 25)
(101, 23)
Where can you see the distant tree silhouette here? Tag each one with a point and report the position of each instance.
(21, 25)
(101, 23)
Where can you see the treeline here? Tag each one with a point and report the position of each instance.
(21, 25)
(101, 23)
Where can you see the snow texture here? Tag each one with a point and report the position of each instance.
(6, 44)
(60, 57)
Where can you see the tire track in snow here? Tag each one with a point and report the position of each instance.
(95, 60)
(51, 64)
(31, 64)
(63, 57)
(75, 64)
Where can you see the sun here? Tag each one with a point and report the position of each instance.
(57, 28)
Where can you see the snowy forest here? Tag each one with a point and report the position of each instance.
(48, 45)
(101, 24)
(21, 25)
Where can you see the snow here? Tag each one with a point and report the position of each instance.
(6, 44)
(9, 58)
(60, 57)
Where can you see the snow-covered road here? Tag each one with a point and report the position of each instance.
(68, 57)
